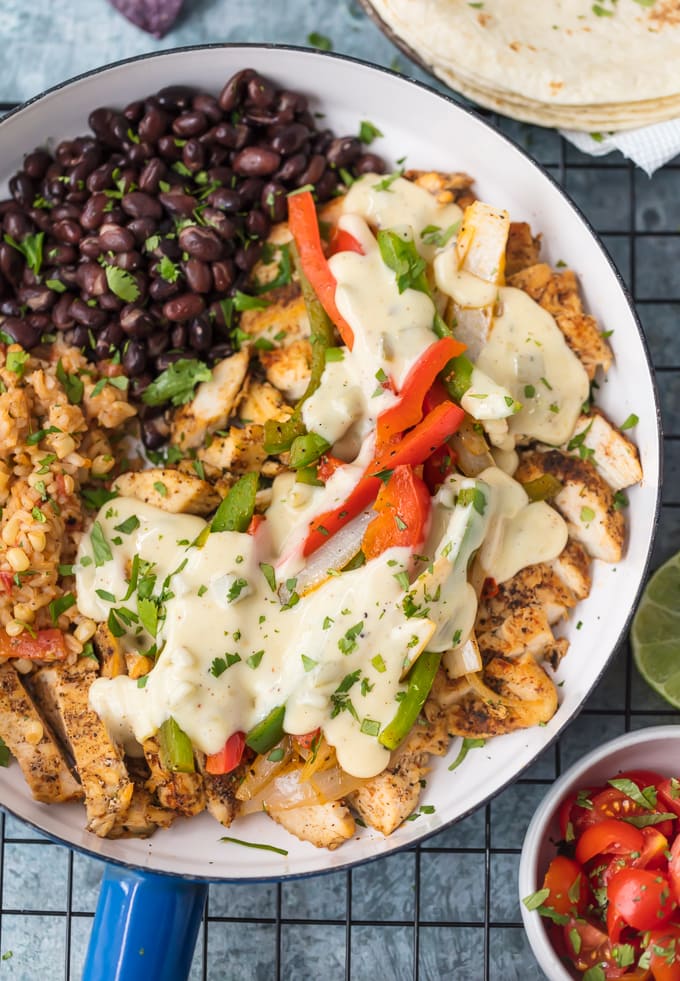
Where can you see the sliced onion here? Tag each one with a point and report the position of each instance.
(465, 659)
(287, 790)
(333, 555)
(263, 770)
(472, 450)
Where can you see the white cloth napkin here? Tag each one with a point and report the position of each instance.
(650, 147)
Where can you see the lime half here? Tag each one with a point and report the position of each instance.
(656, 632)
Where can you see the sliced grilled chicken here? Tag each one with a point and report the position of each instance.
(288, 368)
(534, 586)
(143, 817)
(523, 630)
(522, 250)
(181, 792)
(169, 490)
(212, 404)
(282, 321)
(453, 188)
(220, 791)
(239, 451)
(108, 650)
(586, 501)
(558, 293)
(261, 402)
(99, 760)
(507, 695)
(614, 456)
(573, 568)
(30, 741)
(323, 825)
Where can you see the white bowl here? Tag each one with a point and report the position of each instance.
(656, 748)
(433, 132)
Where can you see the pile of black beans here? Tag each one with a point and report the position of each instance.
(178, 190)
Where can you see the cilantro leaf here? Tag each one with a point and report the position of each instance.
(177, 383)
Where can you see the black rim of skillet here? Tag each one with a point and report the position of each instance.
(93, 853)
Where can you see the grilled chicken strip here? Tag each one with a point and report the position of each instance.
(558, 293)
(522, 249)
(453, 188)
(220, 791)
(169, 490)
(239, 451)
(507, 695)
(181, 792)
(586, 501)
(212, 404)
(573, 568)
(143, 817)
(99, 760)
(31, 743)
(614, 456)
(324, 825)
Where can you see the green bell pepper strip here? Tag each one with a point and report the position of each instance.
(306, 450)
(420, 681)
(279, 436)
(308, 475)
(236, 510)
(543, 488)
(177, 753)
(267, 733)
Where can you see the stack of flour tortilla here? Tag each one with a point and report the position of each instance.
(570, 64)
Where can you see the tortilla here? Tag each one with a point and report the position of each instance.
(573, 63)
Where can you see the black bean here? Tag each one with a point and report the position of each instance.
(292, 101)
(61, 312)
(249, 191)
(178, 335)
(134, 358)
(129, 261)
(190, 123)
(78, 337)
(198, 276)
(37, 298)
(138, 386)
(67, 230)
(343, 151)
(94, 212)
(22, 189)
(69, 275)
(139, 153)
(142, 229)
(201, 243)
(368, 163)
(108, 341)
(86, 315)
(100, 122)
(135, 322)
(18, 225)
(152, 437)
(90, 247)
(289, 139)
(161, 289)
(39, 322)
(261, 92)
(170, 247)
(176, 98)
(222, 350)
(257, 224)
(164, 360)
(246, 256)
(101, 178)
(157, 342)
(183, 307)
(22, 331)
(41, 219)
(223, 275)
(36, 164)
(153, 124)
(234, 90)
(193, 155)
(10, 307)
(66, 211)
(137, 204)
(109, 301)
(91, 278)
(256, 161)
(200, 334)
(133, 111)
(273, 199)
(292, 167)
(153, 172)
(167, 147)
(225, 199)
(225, 227)
(326, 186)
(11, 263)
(115, 238)
(225, 135)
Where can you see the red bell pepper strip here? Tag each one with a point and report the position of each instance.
(408, 411)
(304, 226)
(46, 645)
(327, 524)
(327, 466)
(438, 467)
(228, 757)
(255, 522)
(421, 442)
(343, 241)
(403, 506)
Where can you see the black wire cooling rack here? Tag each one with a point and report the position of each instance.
(448, 908)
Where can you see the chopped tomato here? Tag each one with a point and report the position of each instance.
(609, 836)
(664, 949)
(586, 943)
(567, 884)
(574, 814)
(403, 506)
(490, 588)
(674, 867)
(255, 522)
(343, 241)
(6, 582)
(305, 741)
(613, 803)
(639, 898)
(46, 645)
(228, 757)
(668, 795)
(304, 226)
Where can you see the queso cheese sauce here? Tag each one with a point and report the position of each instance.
(232, 636)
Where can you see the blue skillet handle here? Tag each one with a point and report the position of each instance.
(145, 927)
